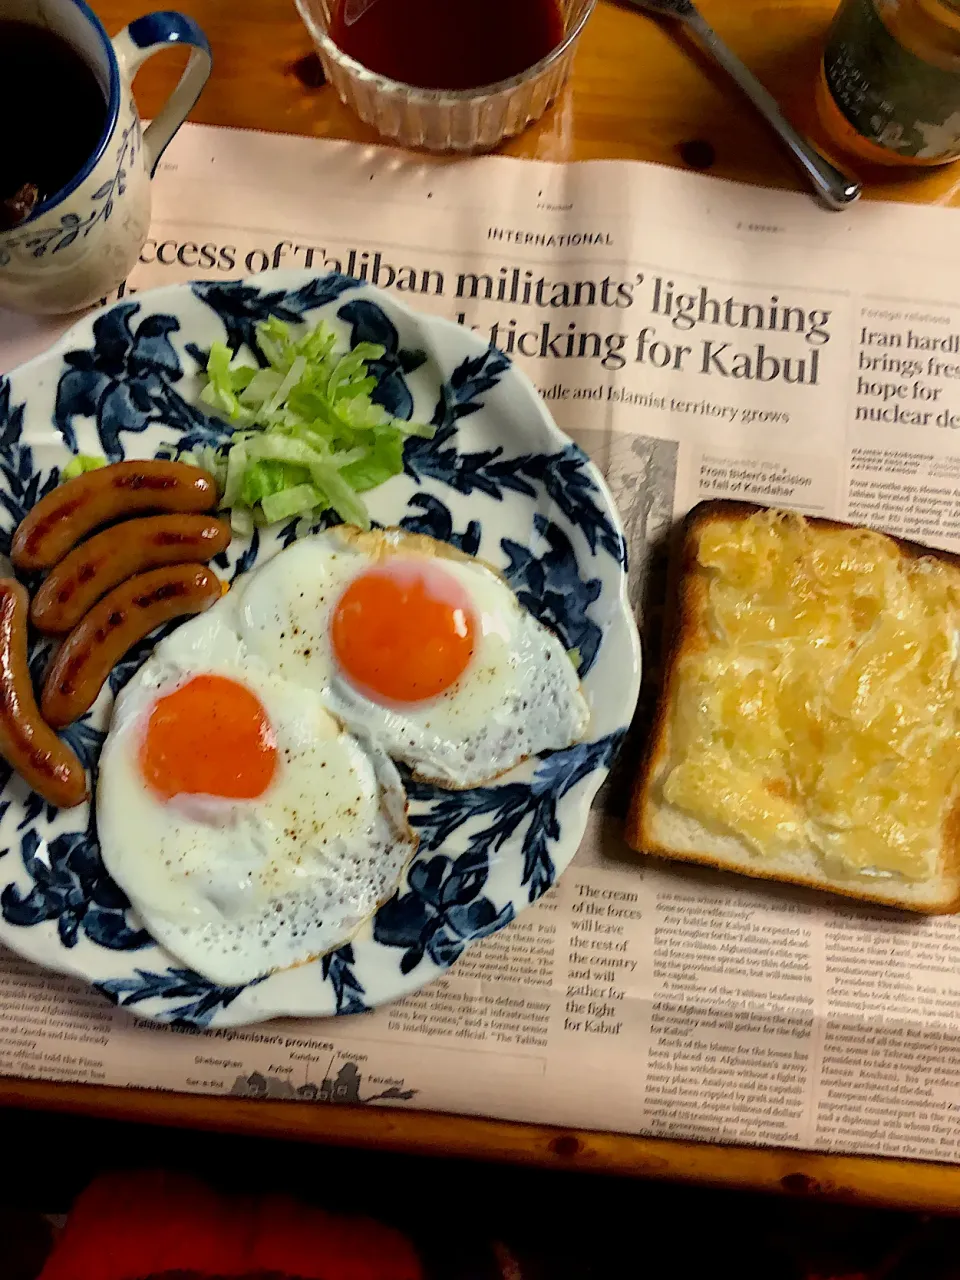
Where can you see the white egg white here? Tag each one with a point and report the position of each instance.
(236, 889)
(519, 695)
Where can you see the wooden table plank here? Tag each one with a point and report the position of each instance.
(636, 94)
(858, 1180)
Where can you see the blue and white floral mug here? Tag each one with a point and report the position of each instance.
(81, 242)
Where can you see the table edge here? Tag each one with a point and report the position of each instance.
(855, 1179)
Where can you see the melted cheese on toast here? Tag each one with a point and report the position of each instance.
(816, 705)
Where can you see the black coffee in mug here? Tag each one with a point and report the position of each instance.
(52, 114)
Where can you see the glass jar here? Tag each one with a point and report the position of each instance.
(439, 119)
(889, 87)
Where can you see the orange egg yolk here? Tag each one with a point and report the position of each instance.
(404, 631)
(209, 737)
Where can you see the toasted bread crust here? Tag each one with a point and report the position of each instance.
(685, 636)
(684, 629)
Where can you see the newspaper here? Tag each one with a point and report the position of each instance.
(698, 338)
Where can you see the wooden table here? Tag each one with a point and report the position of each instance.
(636, 94)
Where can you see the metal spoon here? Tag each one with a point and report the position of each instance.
(835, 189)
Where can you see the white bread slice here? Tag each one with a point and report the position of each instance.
(656, 827)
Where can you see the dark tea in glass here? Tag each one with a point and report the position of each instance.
(447, 44)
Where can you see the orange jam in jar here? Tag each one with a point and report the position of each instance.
(889, 88)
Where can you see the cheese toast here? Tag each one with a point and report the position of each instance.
(808, 728)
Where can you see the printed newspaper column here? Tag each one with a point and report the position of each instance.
(606, 921)
(50, 1026)
(602, 977)
(904, 474)
(731, 1021)
(890, 1060)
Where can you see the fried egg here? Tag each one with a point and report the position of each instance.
(418, 647)
(250, 830)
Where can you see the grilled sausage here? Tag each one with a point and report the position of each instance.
(90, 570)
(70, 511)
(115, 625)
(28, 745)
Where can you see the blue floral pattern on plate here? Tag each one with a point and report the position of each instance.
(497, 480)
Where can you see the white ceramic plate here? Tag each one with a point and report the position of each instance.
(498, 479)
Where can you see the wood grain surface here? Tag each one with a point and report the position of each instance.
(637, 93)
(848, 1179)
(640, 89)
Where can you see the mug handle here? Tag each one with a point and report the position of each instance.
(141, 40)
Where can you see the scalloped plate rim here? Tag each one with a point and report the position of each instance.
(151, 300)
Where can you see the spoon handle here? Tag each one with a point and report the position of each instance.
(837, 190)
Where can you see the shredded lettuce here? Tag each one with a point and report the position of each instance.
(80, 463)
(308, 435)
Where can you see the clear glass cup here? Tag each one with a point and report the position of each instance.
(442, 119)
